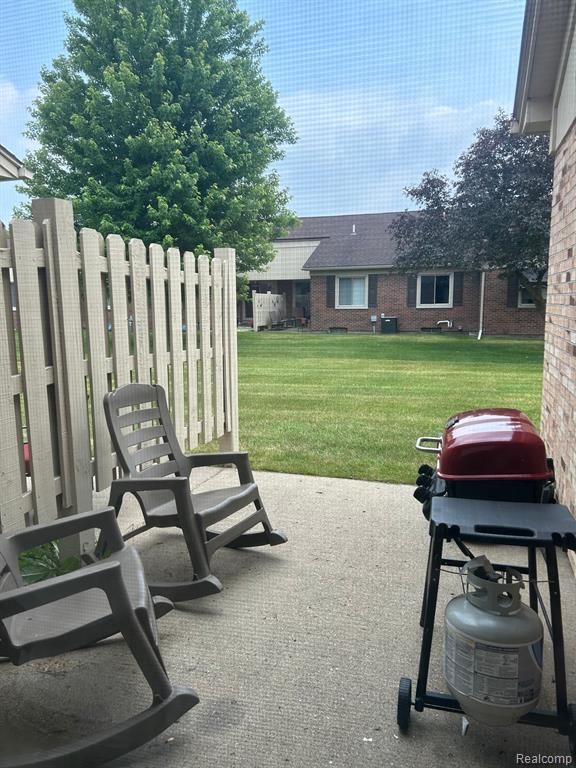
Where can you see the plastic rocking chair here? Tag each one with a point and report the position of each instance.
(78, 609)
(158, 474)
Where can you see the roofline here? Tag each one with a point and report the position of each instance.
(351, 215)
(534, 114)
(527, 46)
(348, 215)
(348, 267)
(20, 171)
(310, 237)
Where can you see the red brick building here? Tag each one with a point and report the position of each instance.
(348, 265)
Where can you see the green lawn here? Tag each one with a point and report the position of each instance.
(353, 406)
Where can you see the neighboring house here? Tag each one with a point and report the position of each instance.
(284, 275)
(339, 271)
(11, 169)
(546, 102)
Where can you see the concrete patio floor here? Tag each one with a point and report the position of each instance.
(297, 662)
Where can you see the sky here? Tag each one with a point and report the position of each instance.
(379, 91)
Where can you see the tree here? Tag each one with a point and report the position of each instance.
(494, 215)
(158, 123)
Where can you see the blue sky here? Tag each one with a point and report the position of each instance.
(379, 90)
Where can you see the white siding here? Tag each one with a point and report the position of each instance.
(566, 104)
(288, 262)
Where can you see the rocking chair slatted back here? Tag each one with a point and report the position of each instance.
(143, 435)
(138, 416)
(142, 431)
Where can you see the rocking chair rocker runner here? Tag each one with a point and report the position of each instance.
(142, 434)
(68, 612)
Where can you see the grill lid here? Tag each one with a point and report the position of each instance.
(492, 443)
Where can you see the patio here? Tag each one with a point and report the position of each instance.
(297, 663)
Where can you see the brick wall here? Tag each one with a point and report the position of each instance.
(499, 319)
(559, 388)
(392, 294)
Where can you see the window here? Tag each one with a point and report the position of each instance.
(352, 292)
(435, 290)
(525, 301)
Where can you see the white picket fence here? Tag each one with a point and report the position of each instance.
(81, 317)
(267, 309)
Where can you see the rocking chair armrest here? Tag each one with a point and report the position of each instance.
(240, 459)
(104, 519)
(105, 575)
(179, 486)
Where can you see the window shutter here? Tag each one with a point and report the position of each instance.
(330, 291)
(411, 282)
(457, 295)
(372, 290)
(512, 291)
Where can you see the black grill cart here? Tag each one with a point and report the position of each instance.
(517, 524)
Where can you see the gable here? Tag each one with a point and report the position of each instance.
(11, 169)
(288, 262)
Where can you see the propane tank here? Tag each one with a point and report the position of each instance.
(492, 646)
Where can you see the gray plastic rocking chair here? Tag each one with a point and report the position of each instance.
(68, 612)
(158, 474)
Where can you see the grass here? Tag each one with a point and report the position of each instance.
(353, 406)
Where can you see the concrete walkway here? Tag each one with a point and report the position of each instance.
(297, 662)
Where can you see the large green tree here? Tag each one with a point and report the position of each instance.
(494, 214)
(158, 123)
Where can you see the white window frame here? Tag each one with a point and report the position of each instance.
(351, 306)
(523, 305)
(420, 305)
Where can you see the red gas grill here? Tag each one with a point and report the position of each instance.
(493, 454)
(493, 465)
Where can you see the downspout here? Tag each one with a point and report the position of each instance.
(481, 318)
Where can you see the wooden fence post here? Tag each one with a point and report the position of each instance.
(12, 509)
(192, 352)
(33, 363)
(175, 333)
(230, 440)
(62, 265)
(93, 261)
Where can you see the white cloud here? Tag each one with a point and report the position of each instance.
(8, 99)
(353, 109)
(441, 111)
(14, 104)
(14, 115)
(347, 110)
(358, 150)
(448, 118)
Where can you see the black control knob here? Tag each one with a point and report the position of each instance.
(425, 469)
(425, 481)
(422, 494)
